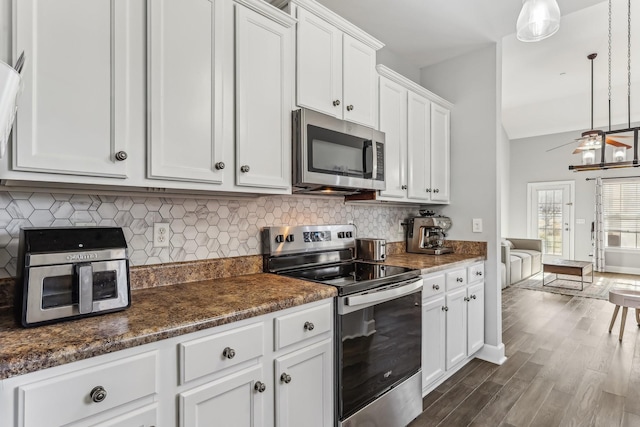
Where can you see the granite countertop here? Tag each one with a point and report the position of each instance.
(432, 263)
(155, 314)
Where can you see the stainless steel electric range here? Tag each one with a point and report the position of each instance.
(378, 322)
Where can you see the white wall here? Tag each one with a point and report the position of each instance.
(472, 83)
(530, 162)
(505, 182)
(5, 30)
(398, 64)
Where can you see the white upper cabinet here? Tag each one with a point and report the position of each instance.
(264, 75)
(74, 113)
(416, 124)
(336, 64)
(186, 91)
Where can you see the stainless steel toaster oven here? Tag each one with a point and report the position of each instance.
(71, 272)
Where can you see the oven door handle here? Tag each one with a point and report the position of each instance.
(381, 296)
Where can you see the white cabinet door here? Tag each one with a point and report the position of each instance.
(74, 115)
(264, 81)
(418, 151)
(440, 141)
(393, 122)
(304, 390)
(475, 332)
(319, 63)
(359, 85)
(186, 85)
(456, 326)
(231, 401)
(433, 341)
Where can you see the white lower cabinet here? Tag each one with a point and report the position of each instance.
(452, 321)
(303, 387)
(234, 400)
(231, 375)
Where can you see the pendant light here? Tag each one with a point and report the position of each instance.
(538, 20)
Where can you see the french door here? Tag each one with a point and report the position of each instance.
(550, 217)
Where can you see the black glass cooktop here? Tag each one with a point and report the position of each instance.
(351, 277)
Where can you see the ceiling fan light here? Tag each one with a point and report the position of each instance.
(538, 20)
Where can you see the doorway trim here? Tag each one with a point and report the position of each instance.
(531, 186)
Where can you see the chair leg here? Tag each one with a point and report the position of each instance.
(624, 319)
(638, 316)
(615, 314)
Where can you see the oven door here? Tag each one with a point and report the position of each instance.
(379, 343)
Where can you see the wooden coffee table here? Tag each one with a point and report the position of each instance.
(567, 267)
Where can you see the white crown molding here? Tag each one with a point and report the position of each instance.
(387, 72)
(270, 11)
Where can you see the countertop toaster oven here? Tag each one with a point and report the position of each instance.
(71, 272)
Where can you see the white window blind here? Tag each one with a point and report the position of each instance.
(621, 211)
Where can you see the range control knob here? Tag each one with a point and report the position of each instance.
(279, 238)
(349, 234)
(340, 234)
(289, 238)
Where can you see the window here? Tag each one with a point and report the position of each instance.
(550, 220)
(621, 211)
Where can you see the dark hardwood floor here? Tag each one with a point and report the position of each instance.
(563, 369)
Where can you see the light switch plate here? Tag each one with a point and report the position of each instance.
(476, 225)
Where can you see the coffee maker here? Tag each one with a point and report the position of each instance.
(425, 235)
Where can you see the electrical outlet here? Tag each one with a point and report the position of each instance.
(161, 235)
(400, 226)
(476, 225)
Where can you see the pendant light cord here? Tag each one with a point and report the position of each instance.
(629, 64)
(609, 66)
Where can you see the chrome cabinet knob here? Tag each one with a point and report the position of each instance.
(349, 107)
(428, 190)
(473, 297)
(121, 155)
(467, 299)
(308, 326)
(98, 394)
(260, 387)
(459, 279)
(436, 190)
(404, 187)
(436, 287)
(229, 353)
(445, 308)
(478, 273)
(285, 378)
(220, 165)
(244, 168)
(336, 102)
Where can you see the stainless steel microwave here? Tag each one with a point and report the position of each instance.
(333, 156)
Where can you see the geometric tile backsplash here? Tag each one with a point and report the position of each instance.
(200, 228)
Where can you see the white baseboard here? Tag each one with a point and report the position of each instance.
(492, 353)
(622, 270)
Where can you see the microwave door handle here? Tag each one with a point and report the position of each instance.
(381, 296)
(373, 156)
(85, 288)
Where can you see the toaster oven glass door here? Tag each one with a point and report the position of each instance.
(56, 291)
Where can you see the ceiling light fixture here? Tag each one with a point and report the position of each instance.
(538, 20)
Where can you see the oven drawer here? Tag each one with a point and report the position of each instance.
(456, 279)
(476, 273)
(299, 326)
(68, 398)
(210, 354)
(433, 285)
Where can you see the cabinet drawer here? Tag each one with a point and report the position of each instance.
(433, 285)
(210, 354)
(476, 273)
(456, 278)
(67, 398)
(296, 327)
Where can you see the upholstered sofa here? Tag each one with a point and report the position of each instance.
(521, 259)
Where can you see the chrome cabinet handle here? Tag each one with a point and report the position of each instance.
(308, 326)
(244, 168)
(336, 102)
(220, 165)
(285, 378)
(349, 107)
(445, 308)
(260, 387)
(121, 155)
(404, 187)
(459, 279)
(229, 353)
(436, 287)
(98, 394)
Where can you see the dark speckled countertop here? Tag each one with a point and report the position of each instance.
(432, 263)
(155, 314)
